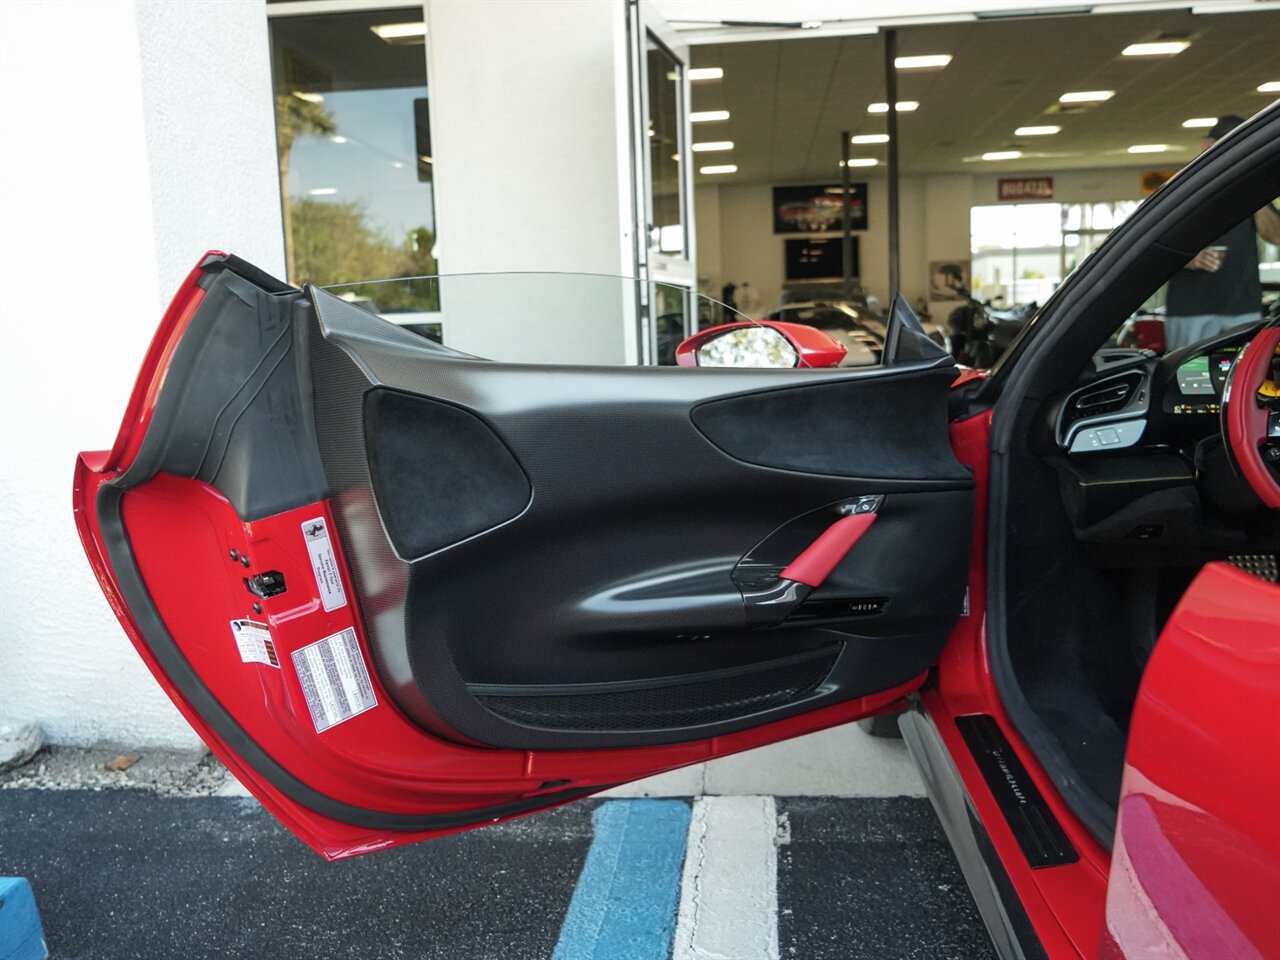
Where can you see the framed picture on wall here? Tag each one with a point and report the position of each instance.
(949, 279)
(816, 209)
(818, 258)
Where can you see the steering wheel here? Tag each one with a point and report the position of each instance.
(1251, 423)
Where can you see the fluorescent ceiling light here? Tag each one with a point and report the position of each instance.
(932, 61)
(706, 73)
(1002, 155)
(1044, 131)
(904, 106)
(712, 145)
(721, 168)
(707, 116)
(1271, 86)
(338, 138)
(1162, 48)
(308, 96)
(323, 191)
(869, 138)
(1087, 96)
(861, 162)
(1148, 148)
(400, 32)
(1196, 123)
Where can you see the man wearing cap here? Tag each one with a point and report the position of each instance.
(1219, 287)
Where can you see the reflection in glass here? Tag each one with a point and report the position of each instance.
(666, 229)
(552, 318)
(748, 347)
(354, 150)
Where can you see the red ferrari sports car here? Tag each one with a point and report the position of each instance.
(401, 591)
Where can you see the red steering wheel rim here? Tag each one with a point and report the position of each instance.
(1246, 421)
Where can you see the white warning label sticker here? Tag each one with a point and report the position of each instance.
(334, 679)
(324, 564)
(253, 639)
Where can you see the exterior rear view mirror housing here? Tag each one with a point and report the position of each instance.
(765, 343)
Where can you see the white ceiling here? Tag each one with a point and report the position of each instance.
(790, 99)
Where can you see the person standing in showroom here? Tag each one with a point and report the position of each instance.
(1219, 287)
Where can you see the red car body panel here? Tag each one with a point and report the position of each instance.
(1196, 869)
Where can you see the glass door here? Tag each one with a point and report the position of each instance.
(663, 185)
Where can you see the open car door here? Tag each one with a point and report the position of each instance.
(401, 591)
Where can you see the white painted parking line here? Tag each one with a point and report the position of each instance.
(729, 891)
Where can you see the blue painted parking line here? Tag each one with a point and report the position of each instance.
(624, 906)
(21, 936)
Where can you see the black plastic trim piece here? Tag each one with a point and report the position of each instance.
(1034, 826)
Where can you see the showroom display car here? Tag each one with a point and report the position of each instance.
(401, 591)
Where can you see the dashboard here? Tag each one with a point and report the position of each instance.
(1200, 381)
(1136, 397)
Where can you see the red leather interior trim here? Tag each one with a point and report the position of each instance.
(821, 557)
(1246, 421)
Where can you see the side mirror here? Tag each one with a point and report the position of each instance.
(764, 343)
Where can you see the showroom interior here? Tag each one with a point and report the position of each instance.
(565, 184)
(1021, 140)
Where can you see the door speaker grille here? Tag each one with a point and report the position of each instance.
(667, 706)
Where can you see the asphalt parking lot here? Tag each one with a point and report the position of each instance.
(130, 874)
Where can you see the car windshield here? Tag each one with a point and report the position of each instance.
(551, 318)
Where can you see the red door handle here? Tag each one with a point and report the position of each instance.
(823, 555)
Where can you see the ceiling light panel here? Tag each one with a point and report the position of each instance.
(1002, 155)
(1087, 96)
(1160, 48)
(708, 116)
(711, 146)
(904, 106)
(719, 168)
(932, 61)
(1043, 131)
(869, 138)
(706, 73)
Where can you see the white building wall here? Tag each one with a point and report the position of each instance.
(529, 131)
(144, 141)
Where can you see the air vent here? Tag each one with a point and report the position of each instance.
(1110, 396)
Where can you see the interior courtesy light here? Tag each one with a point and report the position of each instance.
(1197, 123)
(869, 138)
(932, 61)
(712, 145)
(1002, 155)
(861, 162)
(1162, 48)
(308, 96)
(400, 32)
(721, 168)
(706, 73)
(707, 116)
(1087, 96)
(323, 191)
(904, 106)
(1271, 86)
(1148, 148)
(1045, 131)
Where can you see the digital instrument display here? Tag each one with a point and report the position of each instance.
(1194, 379)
